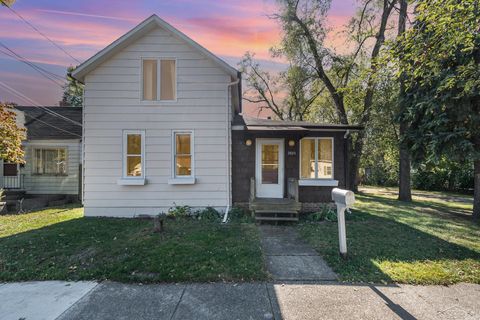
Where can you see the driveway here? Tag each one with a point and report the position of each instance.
(294, 300)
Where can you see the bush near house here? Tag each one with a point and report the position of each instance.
(61, 244)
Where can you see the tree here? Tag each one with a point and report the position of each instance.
(440, 59)
(304, 31)
(72, 91)
(289, 95)
(404, 183)
(7, 3)
(11, 135)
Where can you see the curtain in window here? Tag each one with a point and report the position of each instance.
(149, 79)
(325, 157)
(50, 161)
(167, 80)
(307, 149)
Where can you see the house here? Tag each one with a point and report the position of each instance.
(52, 156)
(162, 126)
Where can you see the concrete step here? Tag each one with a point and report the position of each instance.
(260, 218)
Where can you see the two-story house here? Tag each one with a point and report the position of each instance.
(162, 126)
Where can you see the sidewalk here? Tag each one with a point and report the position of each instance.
(315, 300)
(288, 258)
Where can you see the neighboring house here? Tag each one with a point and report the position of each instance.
(158, 114)
(52, 155)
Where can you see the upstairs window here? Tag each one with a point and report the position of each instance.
(50, 161)
(134, 154)
(316, 158)
(183, 154)
(159, 79)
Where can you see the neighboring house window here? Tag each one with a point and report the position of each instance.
(159, 79)
(316, 158)
(50, 161)
(183, 154)
(134, 154)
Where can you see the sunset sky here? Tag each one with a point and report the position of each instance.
(228, 28)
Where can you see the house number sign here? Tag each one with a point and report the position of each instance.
(292, 153)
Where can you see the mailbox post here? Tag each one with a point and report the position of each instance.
(343, 199)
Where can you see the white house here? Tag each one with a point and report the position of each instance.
(156, 124)
(163, 126)
(52, 156)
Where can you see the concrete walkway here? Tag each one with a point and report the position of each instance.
(319, 300)
(289, 258)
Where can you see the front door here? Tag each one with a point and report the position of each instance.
(269, 168)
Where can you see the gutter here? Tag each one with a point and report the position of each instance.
(228, 140)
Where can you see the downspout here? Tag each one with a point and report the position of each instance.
(82, 151)
(225, 216)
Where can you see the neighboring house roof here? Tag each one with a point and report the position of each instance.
(269, 124)
(140, 30)
(42, 125)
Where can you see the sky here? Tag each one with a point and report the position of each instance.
(228, 28)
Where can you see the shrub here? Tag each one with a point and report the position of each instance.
(179, 211)
(238, 214)
(208, 214)
(326, 213)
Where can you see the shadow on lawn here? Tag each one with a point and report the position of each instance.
(433, 208)
(384, 250)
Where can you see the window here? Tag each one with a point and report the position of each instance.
(134, 154)
(316, 158)
(183, 154)
(154, 70)
(50, 161)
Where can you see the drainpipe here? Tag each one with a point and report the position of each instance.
(225, 216)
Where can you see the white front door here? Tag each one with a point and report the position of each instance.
(269, 170)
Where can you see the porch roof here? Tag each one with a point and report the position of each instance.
(256, 124)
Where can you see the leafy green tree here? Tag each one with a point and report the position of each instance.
(440, 60)
(7, 3)
(72, 91)
(11, 135)
(304, 32)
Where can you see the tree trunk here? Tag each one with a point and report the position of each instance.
(404, 186)
(476, 193)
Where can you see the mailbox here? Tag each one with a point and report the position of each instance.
(344, 197)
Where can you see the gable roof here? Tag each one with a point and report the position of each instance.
(42, 125)
(268, 124)
(140, 30)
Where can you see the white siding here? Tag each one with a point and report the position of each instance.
(45, 184)
(112, 104)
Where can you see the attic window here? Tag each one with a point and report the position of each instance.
(159, 79)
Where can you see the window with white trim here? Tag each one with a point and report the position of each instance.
(159, 79)
(316, 158)
(50, 161)
(183, 154)
(133, 154)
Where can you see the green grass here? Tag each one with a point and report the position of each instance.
(61, 244)
(429, 241)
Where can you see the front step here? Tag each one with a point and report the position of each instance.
(294, 219)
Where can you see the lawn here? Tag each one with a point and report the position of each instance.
(429, 241)
(61, 244)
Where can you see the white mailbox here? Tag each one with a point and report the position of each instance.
(343, 199)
